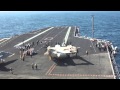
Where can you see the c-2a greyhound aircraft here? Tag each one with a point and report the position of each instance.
(61, 51)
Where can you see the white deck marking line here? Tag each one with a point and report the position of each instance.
(47, 35)
(54, 36)
(33, 37)
(9, 40)
(6, 38)
(48, 38)
(66, 36)
(111, 63)
(4, 41)
(11, 55)
(93, 46)
(58, 34)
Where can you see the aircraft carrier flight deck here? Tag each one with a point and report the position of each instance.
(96, 64)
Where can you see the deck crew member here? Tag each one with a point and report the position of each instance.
(2, 60)
(37, 42)
(32, 43)
(31, 53)
(20, 52)
(11, 70)
(35, 66)
(23, 55)
(87, 52)
(90, 46)
(32, 65)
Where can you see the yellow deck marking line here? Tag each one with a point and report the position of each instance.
(49, 69)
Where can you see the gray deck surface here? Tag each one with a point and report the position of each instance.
(96, 65)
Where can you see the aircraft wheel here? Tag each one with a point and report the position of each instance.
(76, 54)
(50, 58)
(68, 55)
(77, 51)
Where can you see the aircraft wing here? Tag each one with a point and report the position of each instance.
(4, 54)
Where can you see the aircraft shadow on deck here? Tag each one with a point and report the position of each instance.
(2, 65)
(70, 61)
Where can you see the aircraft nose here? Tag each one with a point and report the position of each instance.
(58, 54)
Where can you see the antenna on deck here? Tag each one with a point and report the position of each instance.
(92, 26)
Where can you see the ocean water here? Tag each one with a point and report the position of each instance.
(106, 23)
